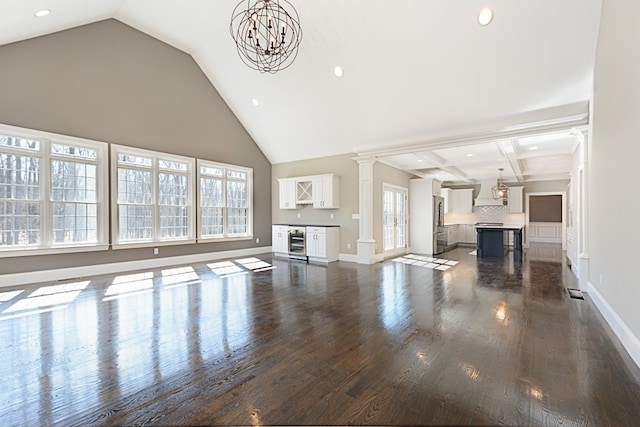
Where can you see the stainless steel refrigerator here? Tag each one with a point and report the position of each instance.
(439, 232)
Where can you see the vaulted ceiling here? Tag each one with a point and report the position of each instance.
(425, 87)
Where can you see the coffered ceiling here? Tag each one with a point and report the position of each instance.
(425, 87)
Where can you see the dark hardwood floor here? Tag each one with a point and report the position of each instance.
(487, 342)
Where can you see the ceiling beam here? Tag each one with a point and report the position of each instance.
(508, 150)
(577, 122)
(442, 165)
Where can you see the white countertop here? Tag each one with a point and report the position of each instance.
(502, 227)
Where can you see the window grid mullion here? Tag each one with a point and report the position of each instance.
(46, 195)
(225, 206)
(155, 202)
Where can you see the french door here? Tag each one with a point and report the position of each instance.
(394, 218)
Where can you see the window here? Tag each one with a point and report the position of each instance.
(225, 201)
(52, 192)
(394, 217)
(154, 195)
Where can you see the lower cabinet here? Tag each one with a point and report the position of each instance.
(469, 234)
(280, 239)
(452, 236)
(323, 243)
(460, 234)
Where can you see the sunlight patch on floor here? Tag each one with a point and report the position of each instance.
(426, 262)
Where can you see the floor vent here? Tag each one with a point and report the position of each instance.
(575, 293)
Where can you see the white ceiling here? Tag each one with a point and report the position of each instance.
(423, 81)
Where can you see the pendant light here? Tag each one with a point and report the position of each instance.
(267, 36)
(500, 191)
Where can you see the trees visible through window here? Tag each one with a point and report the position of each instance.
(54, 192)
(51, 191)
(225, 195)
(154, 197)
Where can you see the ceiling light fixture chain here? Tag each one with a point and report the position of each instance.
(266, 35)
(500, 191)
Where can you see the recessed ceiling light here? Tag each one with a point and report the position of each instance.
(420, 160)
(485, 16)
(533, 148)
(470, 155)
(41, 13)
(255, 101)
(338, 71)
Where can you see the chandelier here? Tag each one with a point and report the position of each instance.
(500, 191)
(266, 35)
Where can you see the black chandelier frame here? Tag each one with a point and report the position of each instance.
(267, 36)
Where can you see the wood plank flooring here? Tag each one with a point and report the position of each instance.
(487, 342)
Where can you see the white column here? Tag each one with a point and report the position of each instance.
(583, 215)
(366, 242)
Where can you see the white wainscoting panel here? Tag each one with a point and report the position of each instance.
(547, 232)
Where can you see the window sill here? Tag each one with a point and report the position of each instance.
(225, 239)
(134, 245)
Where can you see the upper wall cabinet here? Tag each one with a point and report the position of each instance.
(457, 201)
(287, 193)
(326, 191)
(321, 191)
(516, 204)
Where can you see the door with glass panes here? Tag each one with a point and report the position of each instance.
(394, 218)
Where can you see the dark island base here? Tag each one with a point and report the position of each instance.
(490, 242)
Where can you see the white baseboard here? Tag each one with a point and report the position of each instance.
(348, 258)
(17, 279)
(630, 342)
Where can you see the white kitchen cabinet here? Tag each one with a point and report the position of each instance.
(472, 236)
(467, 233)
(323, 243)
(465, 200)
(280, 239)
(445, 193)
(326, 191)
(452, 235)
(287, 193)
(321, 191)
(457, 201)
(515, 201)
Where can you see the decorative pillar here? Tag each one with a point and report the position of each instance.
(583, 213)
(366, 242)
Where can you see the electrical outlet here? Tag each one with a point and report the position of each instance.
(156, 251)
(331, 216)
(299, 215)
(348, 245)
(257, 240)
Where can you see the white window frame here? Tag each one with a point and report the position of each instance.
(226, 236)
(46, 139)
(156, 157)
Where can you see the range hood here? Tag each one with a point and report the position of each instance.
(485, 196)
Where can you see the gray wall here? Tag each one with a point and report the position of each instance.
(109, 82)
(347, 169)
(613, 162)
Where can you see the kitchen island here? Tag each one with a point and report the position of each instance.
(490, 240)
